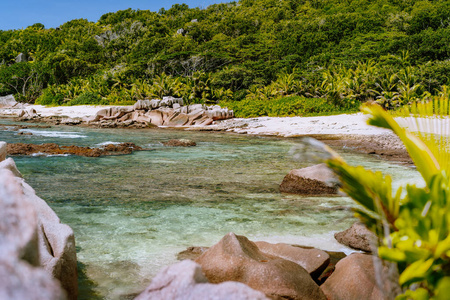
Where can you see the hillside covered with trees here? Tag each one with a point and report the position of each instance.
(260, 57)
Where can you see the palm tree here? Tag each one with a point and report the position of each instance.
(165, 85)
(287, 84)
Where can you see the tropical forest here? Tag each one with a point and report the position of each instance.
(257, 149)
(258, 57)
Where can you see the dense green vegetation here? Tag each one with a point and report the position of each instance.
(251, 52)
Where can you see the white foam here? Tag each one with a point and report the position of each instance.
(108, 143)
(48, 155)
(61, 134)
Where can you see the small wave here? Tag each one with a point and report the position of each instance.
(154, 145)
(61, 134)
(108, 143)
(48, 155)
(164, 162)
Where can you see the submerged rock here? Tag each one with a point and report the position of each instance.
(179, 143)
(185, 281)
(314, 180)
(54, 149)
(236, 258)
(24, 133)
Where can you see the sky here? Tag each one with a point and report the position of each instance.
(20, 14)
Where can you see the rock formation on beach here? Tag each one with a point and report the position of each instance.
(168, 112)
(37, 251)
(8, 101)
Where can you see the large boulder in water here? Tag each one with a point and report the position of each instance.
(185, 280)
(235, 258)
(55, 247)
(314, 180)
(357, 237)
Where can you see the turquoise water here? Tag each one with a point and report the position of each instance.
(132, 214)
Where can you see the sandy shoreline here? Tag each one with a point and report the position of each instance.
(346, 130)
(354, 124)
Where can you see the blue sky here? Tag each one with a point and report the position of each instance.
(23, 13)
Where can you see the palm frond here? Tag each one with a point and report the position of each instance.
(430, 121)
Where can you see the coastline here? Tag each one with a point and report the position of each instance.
(327, 129)
(349, 131)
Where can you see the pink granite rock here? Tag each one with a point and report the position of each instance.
(235, 258)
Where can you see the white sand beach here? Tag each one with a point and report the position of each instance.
(355, 124)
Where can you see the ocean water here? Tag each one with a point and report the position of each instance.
(132, 214)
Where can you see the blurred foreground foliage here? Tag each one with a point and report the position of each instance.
(412, 223)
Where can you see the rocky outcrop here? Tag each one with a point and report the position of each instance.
(355, 278)
(179, 143)
(185, 281)
(235, 258)
(193, 253)
(36, 235)
(3, 151)
(314, 180)
(22, 57)
(20, 272)
(357, 237)
(54, 149)
(312, 260)
(166, 112)
(7, 101)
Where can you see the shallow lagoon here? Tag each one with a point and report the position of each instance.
(132, 214)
